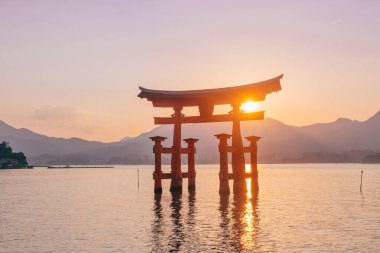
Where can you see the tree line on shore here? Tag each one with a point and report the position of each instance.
(10, 159)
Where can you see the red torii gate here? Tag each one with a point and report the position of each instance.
(205, 100)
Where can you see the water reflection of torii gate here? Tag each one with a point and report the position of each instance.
(205, 100)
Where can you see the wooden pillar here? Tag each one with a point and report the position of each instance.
(224, 187)
(157, 174)
(254, 173)
(191, 162)
(176, 182)
(238, 161)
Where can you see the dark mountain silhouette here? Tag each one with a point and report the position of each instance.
(343, 140)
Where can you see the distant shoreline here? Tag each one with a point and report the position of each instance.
(76, 167)
(199, 164)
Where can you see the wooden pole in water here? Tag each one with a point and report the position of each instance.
(361, 181)
(138, 178)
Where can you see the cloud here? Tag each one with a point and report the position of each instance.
(56, 113)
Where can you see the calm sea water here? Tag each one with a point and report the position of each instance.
(299, 208)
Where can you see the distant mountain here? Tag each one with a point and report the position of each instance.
(125, 139)
(33, 144)
(374, 158)
(343, 140)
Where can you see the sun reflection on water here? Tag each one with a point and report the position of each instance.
(247, 238)
(239, 222)
(249, 227)
(248, 181)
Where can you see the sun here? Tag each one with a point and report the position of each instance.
(249, 106)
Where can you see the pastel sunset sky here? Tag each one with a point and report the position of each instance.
(72, 68)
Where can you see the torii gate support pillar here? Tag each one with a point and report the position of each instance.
(176, 183)
(191, 162)
(254, 172)
(238, 163)
(224, 187)
(157, 150)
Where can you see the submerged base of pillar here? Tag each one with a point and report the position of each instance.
(157, 190)
(254, 186)
(239, 186)
(176, 185)
(224, 188)
(191, 186)
(176, 188)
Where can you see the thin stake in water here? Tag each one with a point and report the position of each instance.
(138, 178)
(361, 181)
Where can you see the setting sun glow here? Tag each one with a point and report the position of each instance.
(249, 106)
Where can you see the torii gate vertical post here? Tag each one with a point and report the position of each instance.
(176, 183)
(238, 163)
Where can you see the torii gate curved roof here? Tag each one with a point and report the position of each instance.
(218, 96)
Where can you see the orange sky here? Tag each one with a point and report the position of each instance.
(72, 68)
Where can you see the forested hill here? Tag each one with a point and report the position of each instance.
(10, 159)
